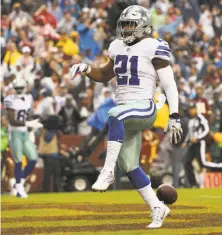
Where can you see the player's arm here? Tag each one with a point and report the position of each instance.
(165, 74)
(103, 74)
(11, 118)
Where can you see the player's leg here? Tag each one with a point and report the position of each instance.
(16, 145)
(129, 164)
(29, 150)
(57, 174)
(189, 167)
(115, 139)
(10, 166)
(116, 122)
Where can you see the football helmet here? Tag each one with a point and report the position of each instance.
(19, 86)
(134, 23)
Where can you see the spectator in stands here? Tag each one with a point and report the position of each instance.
(56, 11)
(158, 17)
(189, 8)
(217, 20)
(67, 24)
(37, 87)
(206, 21)
(28, 65)
(19, 18)
(74, 8)
(87, 39)
(201, 102)
(68, 46)
(46, 106)
(69, 117)
(11, 57)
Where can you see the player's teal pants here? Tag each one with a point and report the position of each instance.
(136, 116)
(21, 144)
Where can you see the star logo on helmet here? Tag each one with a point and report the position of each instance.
(143, 13)
(124, 14)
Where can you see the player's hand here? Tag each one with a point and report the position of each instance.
(34, 124)
(174, 128)
(79, 68)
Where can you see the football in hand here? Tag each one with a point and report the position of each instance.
(167, 194)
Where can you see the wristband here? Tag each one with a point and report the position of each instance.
(175, 116)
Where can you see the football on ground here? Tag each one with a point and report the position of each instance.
(167, 194)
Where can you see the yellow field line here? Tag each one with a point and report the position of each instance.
(78, 223)
(66, 212)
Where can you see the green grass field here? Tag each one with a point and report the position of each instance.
(197, 211)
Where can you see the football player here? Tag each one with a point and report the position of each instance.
(18, 107)
(137, 60)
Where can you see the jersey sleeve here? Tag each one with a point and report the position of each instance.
(162, 50)
(111, 50)
(8, 102)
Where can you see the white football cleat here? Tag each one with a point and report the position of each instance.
(13, 191)
(104, 180)
(159, 213)
(21, 191)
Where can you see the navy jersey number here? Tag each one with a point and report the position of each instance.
(22, 115)
(120, 71)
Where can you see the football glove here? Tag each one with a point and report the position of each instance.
(34, 124)
(79, 68)
(174, 128)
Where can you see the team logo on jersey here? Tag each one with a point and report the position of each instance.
(127, 49)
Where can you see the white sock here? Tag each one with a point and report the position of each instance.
(22, 181)
(149, 196)
(113, 149)
(12, 182)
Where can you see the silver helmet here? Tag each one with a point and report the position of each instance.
(19, 86)
(134, 23)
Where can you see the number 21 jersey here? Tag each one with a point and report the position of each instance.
(135, 73)
(21, 105)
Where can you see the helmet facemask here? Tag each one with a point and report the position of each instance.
(20, 91)
(130, 30)
(19, 86)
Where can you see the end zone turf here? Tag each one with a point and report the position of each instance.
(197, 211)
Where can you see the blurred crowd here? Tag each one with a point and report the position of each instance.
(41, 40)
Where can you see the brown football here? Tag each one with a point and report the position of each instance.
(167, 194)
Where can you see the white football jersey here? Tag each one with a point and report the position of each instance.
(136, 76)
(21, 105)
